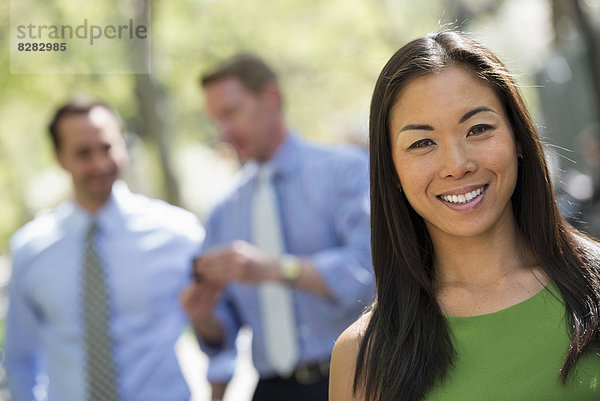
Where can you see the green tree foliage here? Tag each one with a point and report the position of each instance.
(327, 53)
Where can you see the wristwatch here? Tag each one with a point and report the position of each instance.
(290, 268)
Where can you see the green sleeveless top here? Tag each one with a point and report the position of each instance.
(516, 354)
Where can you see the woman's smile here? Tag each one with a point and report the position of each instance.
(463, 200)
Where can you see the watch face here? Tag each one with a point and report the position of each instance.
(290, 268)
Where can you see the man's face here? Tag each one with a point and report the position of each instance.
(244, 119)
(93, 151)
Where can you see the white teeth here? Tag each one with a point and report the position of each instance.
(463, 198)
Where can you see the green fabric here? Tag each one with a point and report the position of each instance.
(516, 354)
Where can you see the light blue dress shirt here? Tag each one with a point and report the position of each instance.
(324, 207)
(147, 247)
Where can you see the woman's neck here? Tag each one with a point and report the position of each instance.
(481, 261)
(485, 273)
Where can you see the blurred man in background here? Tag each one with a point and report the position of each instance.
(93, 297)
(287, 251)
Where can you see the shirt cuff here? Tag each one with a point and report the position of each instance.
(349, 282)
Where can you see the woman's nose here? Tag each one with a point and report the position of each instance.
(456, 161)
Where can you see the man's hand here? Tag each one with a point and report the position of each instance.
(245, 263)
(198, 300)
(240, 261)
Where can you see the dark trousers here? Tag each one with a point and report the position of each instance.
(278, 389)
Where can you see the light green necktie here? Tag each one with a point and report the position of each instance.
(276, 300)
(101, 375)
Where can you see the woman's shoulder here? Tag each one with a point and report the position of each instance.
(343, 360)
(355, 332)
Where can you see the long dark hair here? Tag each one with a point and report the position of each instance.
(406, 348)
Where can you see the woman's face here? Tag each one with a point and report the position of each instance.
(454, 153)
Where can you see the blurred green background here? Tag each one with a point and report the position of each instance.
(328, 54)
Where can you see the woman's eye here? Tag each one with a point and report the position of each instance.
(422, 143)
(480, 129)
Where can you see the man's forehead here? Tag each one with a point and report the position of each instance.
(97, 117)
(100, 115)
(98, 124)
(229, 86)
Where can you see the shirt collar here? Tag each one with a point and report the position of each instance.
(287, 156)
(111, 217)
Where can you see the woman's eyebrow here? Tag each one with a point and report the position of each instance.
(476, 110)
(411, 127)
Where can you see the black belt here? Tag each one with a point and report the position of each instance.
(308, 373)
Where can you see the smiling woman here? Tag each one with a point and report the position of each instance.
(454, 141)
(475, 268)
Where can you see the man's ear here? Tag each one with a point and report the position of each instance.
(272, 94)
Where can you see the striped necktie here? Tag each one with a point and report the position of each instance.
(101, 372)
(276, 302)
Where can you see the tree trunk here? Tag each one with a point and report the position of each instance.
(153, 107)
